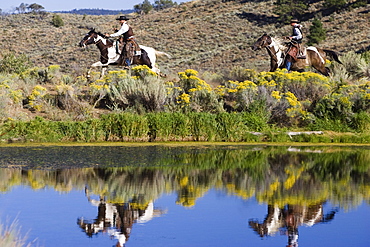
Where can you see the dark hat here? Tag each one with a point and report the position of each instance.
(294, 21)
(123, 17)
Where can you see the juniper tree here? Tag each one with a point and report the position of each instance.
(57, 21)
(288, 9)
(317, 32)
(144, 7)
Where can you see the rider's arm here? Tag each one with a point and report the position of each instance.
(297, 34)
(124, 28)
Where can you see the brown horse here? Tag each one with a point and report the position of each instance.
(277, 50)
(109, 52)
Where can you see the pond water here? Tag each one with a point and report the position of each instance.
(187, 196)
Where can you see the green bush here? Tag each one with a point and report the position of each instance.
(361, 121)
(10, 63)
(57, 21)
(317, 32)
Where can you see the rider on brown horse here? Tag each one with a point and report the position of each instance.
(127, 47)
(295, 50)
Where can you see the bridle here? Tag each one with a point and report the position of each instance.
(94, 36)
(91, 36)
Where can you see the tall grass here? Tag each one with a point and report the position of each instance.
(10, 236)
(193, 126)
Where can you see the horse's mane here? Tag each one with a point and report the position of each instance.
(92, 30)
(279, 42)
(102, 35)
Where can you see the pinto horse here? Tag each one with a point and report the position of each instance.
(277, 49)
(109, 55)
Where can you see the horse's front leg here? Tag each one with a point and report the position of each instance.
(103, 70)
(273, 65)
(88, 72)
(93, 66)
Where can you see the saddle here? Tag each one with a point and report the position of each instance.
(128, 49)
(296, 51)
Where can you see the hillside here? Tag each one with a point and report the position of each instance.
(208, 35)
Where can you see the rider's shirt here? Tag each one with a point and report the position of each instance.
(125, 30)
(297, 33)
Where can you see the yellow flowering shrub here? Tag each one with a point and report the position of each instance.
(197, 94)
(242, 94)
(36, 97)
(276, 95)
(64, 89)
(183, 100)
(8, 95)
(142, 70)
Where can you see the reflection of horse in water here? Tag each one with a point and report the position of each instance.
(277, 50)
(109, 52)
(290, 218)
(116, 219)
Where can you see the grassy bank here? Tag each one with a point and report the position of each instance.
(156, 127)
(45, 105)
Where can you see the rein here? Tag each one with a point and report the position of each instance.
(273, 55)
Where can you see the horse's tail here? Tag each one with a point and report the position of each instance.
(162, 54)
(332, 54)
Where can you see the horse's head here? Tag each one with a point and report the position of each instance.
(262, 42)
(93, 37)
(90, 38)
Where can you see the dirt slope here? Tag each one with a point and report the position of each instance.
(210, 35)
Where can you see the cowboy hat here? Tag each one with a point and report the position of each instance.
(294, 21)
(122, 17)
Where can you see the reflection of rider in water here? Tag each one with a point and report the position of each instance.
(116, 219)
(292, 221)
(290, 218)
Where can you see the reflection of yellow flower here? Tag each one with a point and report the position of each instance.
(293, 176)
(273, 187)
(184, 181)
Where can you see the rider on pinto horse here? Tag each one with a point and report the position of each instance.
(127, 45)
(295, 48)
